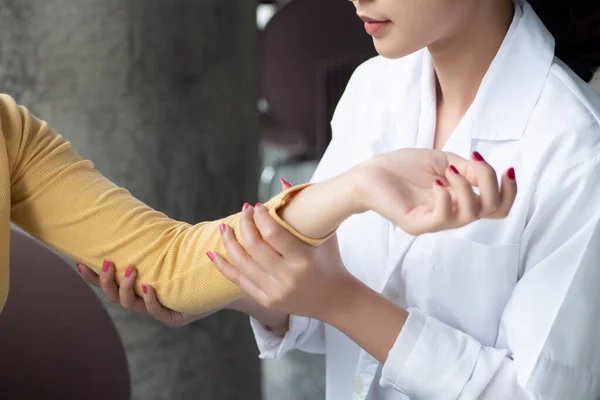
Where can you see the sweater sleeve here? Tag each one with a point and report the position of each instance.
(61, 200)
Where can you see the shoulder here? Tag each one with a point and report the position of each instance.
(564, 127)
(566, 103)
(361, 114)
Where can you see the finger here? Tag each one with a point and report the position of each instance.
(259, 250)
(467, 202)
(284, 243)
(489, 193)
(461, 164)
(285, 185)
(443, 210)
(88, 275)
(126, 292)
(107, 282)
(508, 194)
(157, 310)
(247, 285)
(242, 261)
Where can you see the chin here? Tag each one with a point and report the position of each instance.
(389, 48)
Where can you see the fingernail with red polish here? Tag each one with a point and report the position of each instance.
(128, 271)
(222, 228)
(286, 183)
(210, 256)
(144, 289)
(79, 268)
(439, 183)
(453, 169)
(105, 266)
(258, 205)
(511, 174)
(477, 156)
(245, 207)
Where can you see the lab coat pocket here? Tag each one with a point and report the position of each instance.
(467, 284)
(471, 264)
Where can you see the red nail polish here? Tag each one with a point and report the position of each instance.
(258, 205)
(210, 256)
(477, 156)
(128, 271)
(511, 174)
(79, 268)
(222, 228)
(453, 169)
(246, 206)
(286, 183)
(439, 183)
(144, 289)
(105, 266)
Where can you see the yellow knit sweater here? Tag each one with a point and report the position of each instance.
(50, 192)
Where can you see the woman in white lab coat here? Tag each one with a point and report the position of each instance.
(499, 309)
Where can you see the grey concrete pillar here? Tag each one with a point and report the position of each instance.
(161, 95)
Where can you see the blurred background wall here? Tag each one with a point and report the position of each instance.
(161, 95)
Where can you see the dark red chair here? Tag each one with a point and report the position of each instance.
(56, 339)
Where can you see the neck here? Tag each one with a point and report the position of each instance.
(461, 61)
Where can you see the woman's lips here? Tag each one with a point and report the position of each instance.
(373, 26)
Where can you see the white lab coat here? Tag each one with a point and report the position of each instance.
(501, 310)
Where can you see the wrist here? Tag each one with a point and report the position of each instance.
(318, 210)
(348, 189)
(356, 184)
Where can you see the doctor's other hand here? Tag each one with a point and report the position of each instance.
(424, 191)
(125, 295)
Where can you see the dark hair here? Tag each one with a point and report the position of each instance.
(575, 25)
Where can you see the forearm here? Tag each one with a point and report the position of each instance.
(101, 221)
(366, 317)
(63, 201)
(318, 210)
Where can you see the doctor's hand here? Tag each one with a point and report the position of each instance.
(125, 295)
(148, 304)
(425, 191)
(280, 272)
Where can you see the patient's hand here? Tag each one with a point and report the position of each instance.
(425, 191)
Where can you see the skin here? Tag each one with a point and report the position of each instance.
(283, 276)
